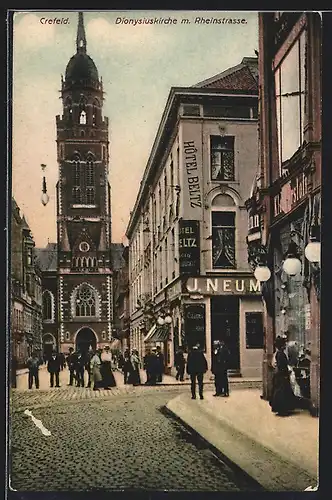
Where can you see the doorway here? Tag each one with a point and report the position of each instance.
(225, 326)
(85, 339)
(49, 344)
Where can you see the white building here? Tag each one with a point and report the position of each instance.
(190, 223)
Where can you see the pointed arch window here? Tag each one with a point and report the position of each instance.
(47, 306)
(83, 118)
(76, 191)
(85, 301)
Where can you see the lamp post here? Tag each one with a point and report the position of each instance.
(44, 197)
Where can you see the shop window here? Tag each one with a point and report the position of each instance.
(222, 158)
(254, 330)
(223, 240)
(290, 100)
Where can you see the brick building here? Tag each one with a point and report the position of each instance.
(77, 288)
(284, 206)
(25, 291)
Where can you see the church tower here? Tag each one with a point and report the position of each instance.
(83, 206)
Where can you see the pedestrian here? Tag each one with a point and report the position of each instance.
(282, 400)
(120, 361)
(71, 363)
(146, 365)
(179, 363)
(62, 360)
(160, 357)
(88, 357)
(53, 367)
(127, 366)
(220, 360)
(95, 364)
(79, 368)
(196, 367)
(106, 369)
(33, 364)
(135, 378)
(14, 365)
(153, 366)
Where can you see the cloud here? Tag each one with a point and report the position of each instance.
(31, 34)
(107, 35)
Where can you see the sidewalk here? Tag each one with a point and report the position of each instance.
(280, 453)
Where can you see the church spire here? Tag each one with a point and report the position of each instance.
(80, 39)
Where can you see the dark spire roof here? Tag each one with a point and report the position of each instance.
(80, 38)
(81, 69)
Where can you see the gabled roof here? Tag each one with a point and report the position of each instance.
(47, 258)
(243, 76)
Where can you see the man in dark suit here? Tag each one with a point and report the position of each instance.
(53, 367)
(79, 368)
(71, 365)
(196, 367)
(180, 364)
(220, 359)
(161, 360)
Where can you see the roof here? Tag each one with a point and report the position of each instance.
(81, 68)
(47, 258)
(242, 77)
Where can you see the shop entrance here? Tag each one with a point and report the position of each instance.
(225, 326)
(85, 339)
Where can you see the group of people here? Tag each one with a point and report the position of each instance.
(286, 394)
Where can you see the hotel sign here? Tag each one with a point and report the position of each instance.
(291, 193)
(191, 172)
(189, 247)
(223, 286)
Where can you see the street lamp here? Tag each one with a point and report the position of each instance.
(262, 273)
(168, 319)
(160, 321)
(292, 264)
(44, 197)
(313, 249)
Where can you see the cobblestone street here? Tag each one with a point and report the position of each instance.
(109, 440)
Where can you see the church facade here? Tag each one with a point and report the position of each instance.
(83, 291)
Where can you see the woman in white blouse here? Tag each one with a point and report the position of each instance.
(106, 369)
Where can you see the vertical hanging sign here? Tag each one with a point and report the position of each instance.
(192, 171)
(189, 247)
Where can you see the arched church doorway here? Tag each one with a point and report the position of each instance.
(49, 343)
(84, 339)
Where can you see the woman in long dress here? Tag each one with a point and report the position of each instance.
(135, 378)
(283, 400)
(106, 369)
(95, 364)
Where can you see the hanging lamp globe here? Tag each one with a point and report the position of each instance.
(160, 321)
(262, 273)
(168, 319)
(312, 251)
(45, 199)
(292, 266)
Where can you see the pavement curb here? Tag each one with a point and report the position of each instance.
(264, 466)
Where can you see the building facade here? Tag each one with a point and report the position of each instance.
(26, 291)
(189, 277)
(284, 207)
(121, 301)
(84, 268)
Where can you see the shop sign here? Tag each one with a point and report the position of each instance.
(223, 286)
(189, 247)
(291, 193)
(194, 324)
(192, 166)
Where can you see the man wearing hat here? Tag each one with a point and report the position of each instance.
(53, 368)
(220, 360)
(196, 367)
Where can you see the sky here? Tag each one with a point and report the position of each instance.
(138, 64)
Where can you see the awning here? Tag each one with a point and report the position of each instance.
(150, 333)
(160, 335)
